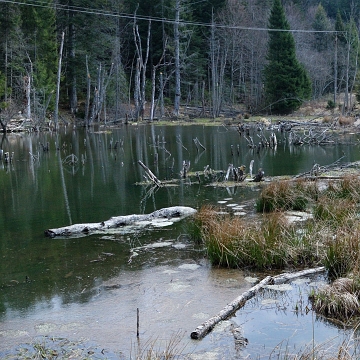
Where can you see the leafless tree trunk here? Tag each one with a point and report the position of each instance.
(161, 94)
(100, 93)
(27, 85)
(56, 110)
(177, 59)
(140, 75)
(346, 97)
(88, 90)
(219, 52)
(71, 47)
(335, 69)
(153, 82)
(355, 73)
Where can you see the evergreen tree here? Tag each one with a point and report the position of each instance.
(321, 23)
(86, 34)
(39, 23)
(340, 28)
(286, 81)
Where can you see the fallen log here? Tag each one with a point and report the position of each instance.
(173, 213)
(240, 301)
(228, 310)
(280, 279)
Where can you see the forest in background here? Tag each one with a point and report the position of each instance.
(110, 60)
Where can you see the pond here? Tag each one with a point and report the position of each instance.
(91, 287)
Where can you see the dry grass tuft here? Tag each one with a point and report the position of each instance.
(339, 300)
(327, 119)
(270, 242)
(346, 120)
(285, 195)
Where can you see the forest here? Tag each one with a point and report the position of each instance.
(115, 60)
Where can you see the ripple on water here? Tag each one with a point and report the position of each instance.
(189, 266)
(178, 286)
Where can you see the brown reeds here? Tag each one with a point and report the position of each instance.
(346, 120)
(339, 300)
(269, 242)
(286, 195)
(330, 238)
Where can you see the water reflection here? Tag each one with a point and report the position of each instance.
(91, 176)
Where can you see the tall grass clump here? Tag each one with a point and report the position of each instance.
(266, 243)
(335, 212)
(286, 195)
(339, 300)
(343, 252)
(331, 349)
(347, 187)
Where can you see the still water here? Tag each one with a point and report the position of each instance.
(91, 287)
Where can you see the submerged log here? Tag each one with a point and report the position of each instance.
(240, 301)
(171, 213)
(228, 310)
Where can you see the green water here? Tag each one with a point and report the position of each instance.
(42, 189)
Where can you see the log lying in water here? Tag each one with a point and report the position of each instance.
(171, 213)
(240, 301)
(280, 279)
(228, 310)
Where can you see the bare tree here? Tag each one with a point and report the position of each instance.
(56, 110)
(153, 81)
(100, 92)
(246, 51)
(218, 55)
(177, 59)
(352, 45)
(140, 72)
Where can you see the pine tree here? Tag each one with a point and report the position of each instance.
(286, 81)
(321, 23)
(340, 28)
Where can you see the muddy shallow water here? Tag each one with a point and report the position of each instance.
(173, 298)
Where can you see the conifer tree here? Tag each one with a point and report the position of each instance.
(321, 24)
(286, 81)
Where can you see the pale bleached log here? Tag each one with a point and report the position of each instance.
(174, 212)
(281, 278)
(240, 301)
(228, 310)
(150, 174)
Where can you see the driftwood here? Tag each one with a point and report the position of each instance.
(240, 301)
(280, 279)
(171, 213)
(259, 176)
(317, 170)
(198, 144)
(150, 174)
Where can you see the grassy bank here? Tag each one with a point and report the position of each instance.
(328, 236)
